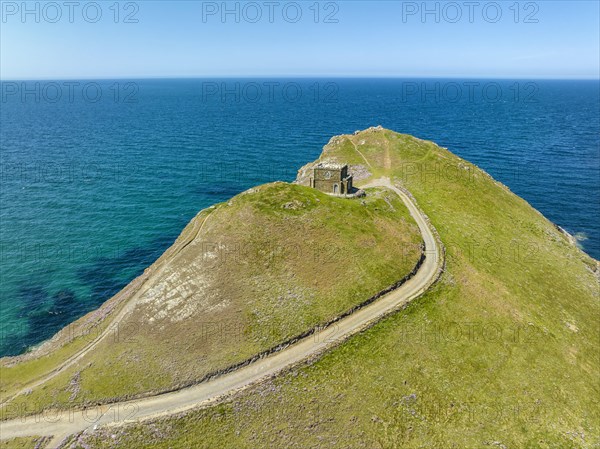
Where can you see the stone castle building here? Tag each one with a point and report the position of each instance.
(331, 178)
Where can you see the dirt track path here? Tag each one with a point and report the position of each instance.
(62, 424)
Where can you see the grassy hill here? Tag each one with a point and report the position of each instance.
(243, 277)
(24, 443)
(503, 352)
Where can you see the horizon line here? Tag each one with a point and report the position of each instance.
(383, 77)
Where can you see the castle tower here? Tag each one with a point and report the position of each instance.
(331, 178)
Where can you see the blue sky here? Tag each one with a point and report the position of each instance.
(544, 39)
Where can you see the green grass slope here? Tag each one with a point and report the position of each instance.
(503, 352)
(24, 443)
(249, 274)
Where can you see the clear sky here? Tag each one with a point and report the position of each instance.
(543, 39)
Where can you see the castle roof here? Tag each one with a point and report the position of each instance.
(330, 165)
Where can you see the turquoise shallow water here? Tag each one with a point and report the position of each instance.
(93, 190)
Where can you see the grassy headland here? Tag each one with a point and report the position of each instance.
(245, 276)
(503, 352)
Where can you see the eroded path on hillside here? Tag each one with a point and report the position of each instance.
(130, 304)
(62, 424)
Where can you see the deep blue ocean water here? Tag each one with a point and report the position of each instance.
(99, 177)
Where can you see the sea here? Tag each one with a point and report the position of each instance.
(98, 177)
